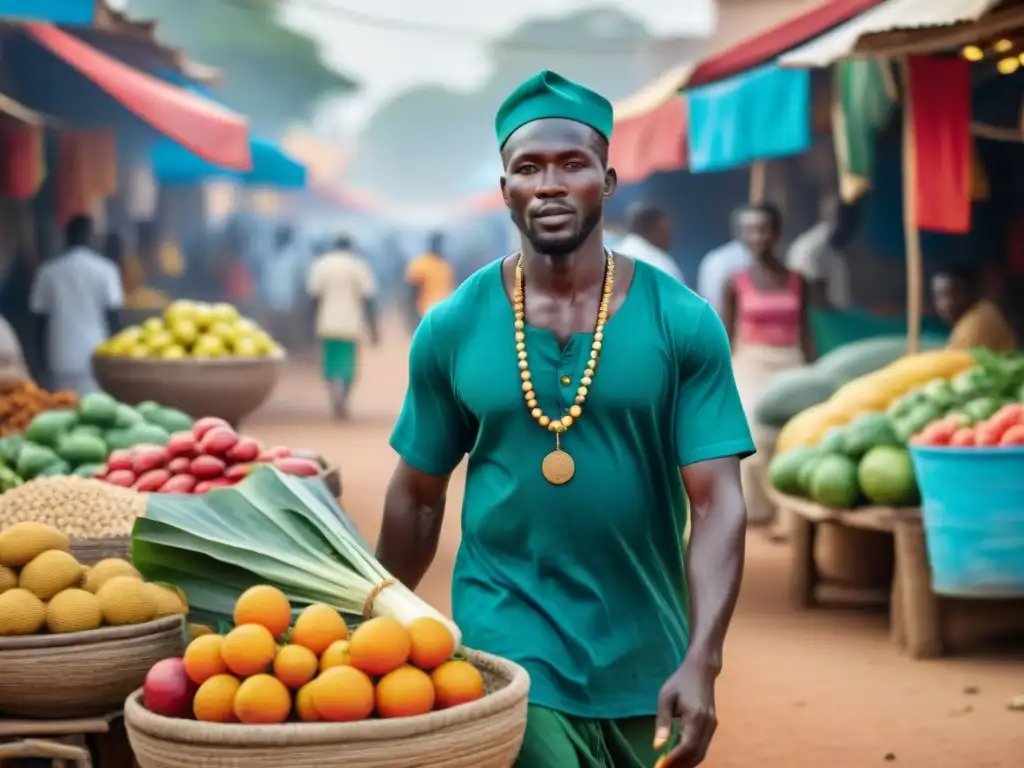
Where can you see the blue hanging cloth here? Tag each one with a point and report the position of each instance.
(757, 115)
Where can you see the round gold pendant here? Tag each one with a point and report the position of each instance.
(558, 467)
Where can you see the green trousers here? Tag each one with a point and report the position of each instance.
(554, 740)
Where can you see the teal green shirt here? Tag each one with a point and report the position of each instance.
(583, 584)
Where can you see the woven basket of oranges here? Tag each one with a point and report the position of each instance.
(486, 733)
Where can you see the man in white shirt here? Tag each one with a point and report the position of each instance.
(345, 290)
(76, 298)
(814, 256)
(649, 238)
(719, 266)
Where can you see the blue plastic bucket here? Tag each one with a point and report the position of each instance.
(973, 515)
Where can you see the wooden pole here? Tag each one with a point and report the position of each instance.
(757, 182)
(911, 235)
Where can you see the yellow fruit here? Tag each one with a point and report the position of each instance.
(248, 650)
(432, 643)
(73, 610)
(126, 600)
(305, 709)
(336, 656)
(262, 700)
(317, 627)
(266, 606)
(105, 570)
(343, 695)
(208, 346)
(8, 579)
(173, 352)
(406, 692)
(457, 682)
(153, 326)
(199, 630)
(23, 542)
(160, 341)
(185, 332)
(203, 659)
(202, 316)
(379, 646)
(50, 573)
(169, 602)
(21, 613)
(224, 312)
(246, 347)
(215, 700)
(295, 666)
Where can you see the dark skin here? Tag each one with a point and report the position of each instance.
(556, 178)
(760, 235)
(953, 296)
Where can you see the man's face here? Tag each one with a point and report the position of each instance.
(555, 184)
(757, 232)
(951, 297)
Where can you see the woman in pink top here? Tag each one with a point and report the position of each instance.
(765, 314)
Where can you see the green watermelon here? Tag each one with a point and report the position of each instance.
(784, 469)
(834, 482)
(886, 475)
(867, 431)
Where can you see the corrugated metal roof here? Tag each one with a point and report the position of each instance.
(890, 16)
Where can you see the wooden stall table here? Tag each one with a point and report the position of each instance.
(922, 623)
(66, 742)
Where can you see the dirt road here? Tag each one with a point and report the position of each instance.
(821, 689)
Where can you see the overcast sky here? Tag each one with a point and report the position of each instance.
(387, 60)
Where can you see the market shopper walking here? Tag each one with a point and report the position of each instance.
(593, 395)
(345, 289)
(430, 276)
(765, 314)
(76, 298)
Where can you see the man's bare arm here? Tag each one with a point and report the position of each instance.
(413, 514)
(716, 552)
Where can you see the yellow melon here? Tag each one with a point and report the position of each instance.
(108, 569)
(126, 600)
(21, 613)
(50, 573)
(23, 542)
(73, 610)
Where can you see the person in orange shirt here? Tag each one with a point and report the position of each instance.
(430, 276)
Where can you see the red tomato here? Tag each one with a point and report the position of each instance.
(938, 433)
(986, 437)
(204, 425)
(119, 459)
(179, 465)
(218, 441)
(206, 467)
(244, 451)
(122, 477)
(1013, 436)
(179, 484)
(1006, 417)
(148, 457)
(182, 444)
(963, 438)
(301, 467)
(152, 481)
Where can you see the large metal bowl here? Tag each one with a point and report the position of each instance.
(229, 387)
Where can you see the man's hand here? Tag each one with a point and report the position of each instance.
(689, 697)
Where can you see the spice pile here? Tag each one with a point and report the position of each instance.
(23, 401)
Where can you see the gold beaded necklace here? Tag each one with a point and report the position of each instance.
(558, 466)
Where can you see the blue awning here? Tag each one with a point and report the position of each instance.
(271, 166)
(77, 12)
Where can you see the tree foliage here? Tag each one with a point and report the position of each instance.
(273, 74)
(431, 142)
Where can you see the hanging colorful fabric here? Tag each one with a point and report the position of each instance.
(939, 106)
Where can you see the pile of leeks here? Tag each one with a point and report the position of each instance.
(273, 529)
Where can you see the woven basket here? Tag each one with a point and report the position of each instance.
(485, 734)
(82, 674)
(91, 551)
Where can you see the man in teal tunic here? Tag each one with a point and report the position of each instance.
(593, 395)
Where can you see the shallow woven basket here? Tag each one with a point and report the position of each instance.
(91, 551)
(82, 674)
(485, 734)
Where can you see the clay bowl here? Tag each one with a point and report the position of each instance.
(229, 387)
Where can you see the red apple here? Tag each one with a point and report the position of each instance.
(168, 691)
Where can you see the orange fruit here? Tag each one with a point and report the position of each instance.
(295, 666)
(304, 706)
(317, 627)
(406, 692)
(336, 656)
(203, 658)
(379, 646)
(457, 682)
(215, 699)
(248, 650)
(262, 700)
(343, 695)
(266, 606)
(432, 643)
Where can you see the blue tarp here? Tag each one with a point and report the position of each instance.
(52, 11)
(760, 114)
(271, 167)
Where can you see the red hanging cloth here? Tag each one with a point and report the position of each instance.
(940, 114)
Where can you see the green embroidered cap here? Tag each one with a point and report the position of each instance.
(547, 95)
